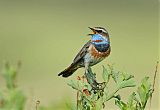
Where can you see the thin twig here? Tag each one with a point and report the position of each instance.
(154, 81)
(77, 99)
(37, 104)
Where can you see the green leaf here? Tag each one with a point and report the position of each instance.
(123, 76)
(132, 100)
(99, 104)
(106, 93)
(106, 75)
(76, 85)
(145, 83)
(15, 100)
(144, 91)
(121, 104)
(126, 83)
(115, 76)
(127, 76)
(9, 74)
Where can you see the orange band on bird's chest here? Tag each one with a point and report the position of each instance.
(97, 54)
(97, 41)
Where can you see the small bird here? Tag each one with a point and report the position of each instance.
(93, 52)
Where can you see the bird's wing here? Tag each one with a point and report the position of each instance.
(82, 52)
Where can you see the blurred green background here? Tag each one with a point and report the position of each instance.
(45, 35)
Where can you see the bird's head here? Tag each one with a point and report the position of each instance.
(99, 35)
(99, 30)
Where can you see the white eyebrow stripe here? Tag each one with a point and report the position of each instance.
(103, 30)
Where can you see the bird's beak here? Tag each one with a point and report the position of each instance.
(93, 30)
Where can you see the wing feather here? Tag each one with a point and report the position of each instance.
(82, 52)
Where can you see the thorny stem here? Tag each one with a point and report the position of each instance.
(91, 78)
(154, 81)
(97, 86)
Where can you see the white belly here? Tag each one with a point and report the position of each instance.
(91, 60)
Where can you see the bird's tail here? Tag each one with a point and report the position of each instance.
(68, 71)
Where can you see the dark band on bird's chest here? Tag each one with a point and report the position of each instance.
(101, 47)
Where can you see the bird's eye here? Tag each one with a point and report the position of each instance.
(99, 31)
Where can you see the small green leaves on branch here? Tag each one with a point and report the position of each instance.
(94, 95)
(137, 100)
(12, 98)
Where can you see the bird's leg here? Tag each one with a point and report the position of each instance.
(86, 67)
(86, 70)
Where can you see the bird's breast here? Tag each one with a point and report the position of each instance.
(95, 56)
(101, 47)
(99, 54)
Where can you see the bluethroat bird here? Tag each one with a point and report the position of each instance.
(93, 52)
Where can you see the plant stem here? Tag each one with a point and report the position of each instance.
(153, 86)
(77, 99)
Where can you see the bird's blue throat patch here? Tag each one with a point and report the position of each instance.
(100, 43)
